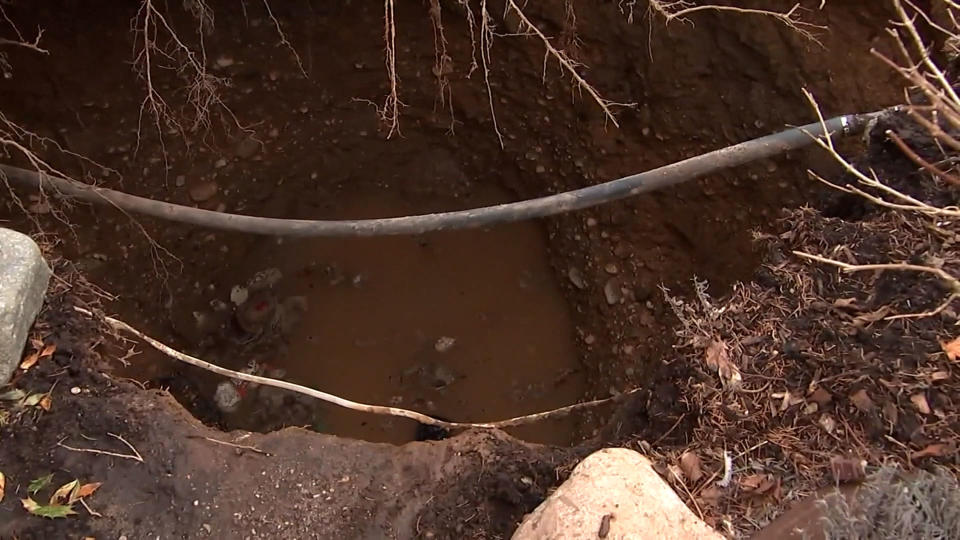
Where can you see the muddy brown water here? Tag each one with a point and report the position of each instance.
(464, 325)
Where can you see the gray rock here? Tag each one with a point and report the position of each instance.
(23, 281)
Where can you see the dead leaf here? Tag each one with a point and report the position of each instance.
(710, 495)
(951, 348)
(934, 450)
(938, 376)
(85, 491)
(691, 467)
(52, 511)
(29, 361)
(759, 484)
(848, 469)
(13, 395)
(62, 494)
(890, 412)
(920, 402)
(861, 400)
(820, 396)
(33, 400)
(717, 358)
(45, 402)
(3, 485)
(48, 351)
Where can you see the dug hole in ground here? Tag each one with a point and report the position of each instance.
(740, 344)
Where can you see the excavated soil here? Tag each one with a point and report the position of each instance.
(541, 314)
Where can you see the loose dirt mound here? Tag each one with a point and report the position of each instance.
(172, 477)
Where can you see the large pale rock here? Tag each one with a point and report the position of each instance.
(621, 484)
(23, 281)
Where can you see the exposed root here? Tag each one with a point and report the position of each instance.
(566, 62)
(952, 282)
(486, 42)
(203, 89)
(442, 63)
(283, 39)
(390, 112)
(336, 400)
(135, 455)
(679, 10)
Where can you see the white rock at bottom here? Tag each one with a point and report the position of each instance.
(614, 494)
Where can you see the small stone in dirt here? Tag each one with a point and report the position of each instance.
(239, 295)
(75, 390)
(203, 191)
(611, 291)
(207, 527)
(591, 222)
(224, 62)
(226, 397)
(444, 344)
(247, 148)
(220, 163)
(612, 269)
(541, 169)
(181, 180)
(274, 133)
(576, 277)
(589, 339)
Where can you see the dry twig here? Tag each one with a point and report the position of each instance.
(135, 456)
(952, 282)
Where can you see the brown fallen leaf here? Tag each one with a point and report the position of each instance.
(861, 400)
(86, 490)
(759, 484)
(848, 469)
(45, 402)
(920, 402)
(3, 485)
(710, 495)
(717, 358)
(820, 396)
(29, 361)
(691, 467)
(890, 412)
(48, 351)
(951, 348)
(933, 450)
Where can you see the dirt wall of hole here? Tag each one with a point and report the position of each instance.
(720, 80)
